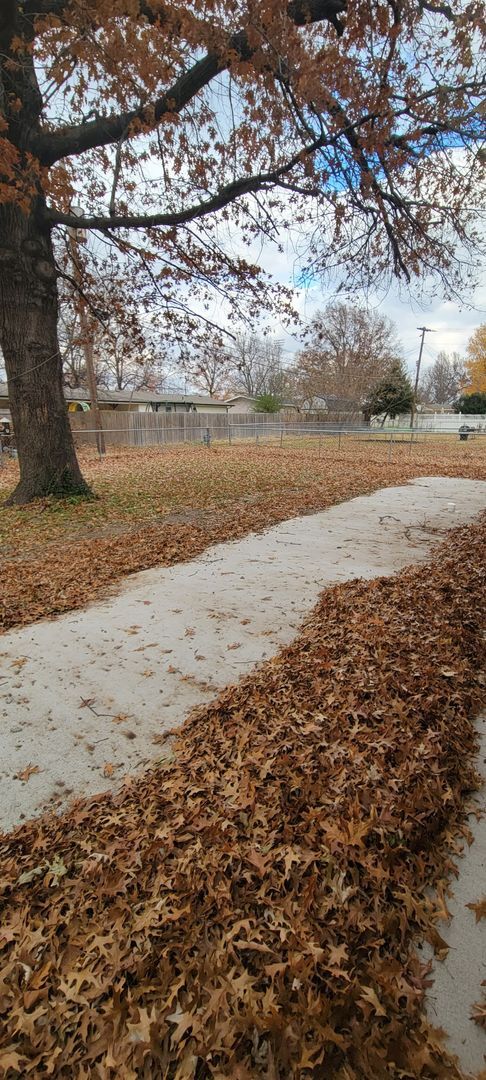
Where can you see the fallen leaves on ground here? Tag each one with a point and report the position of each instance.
(479, 1013)
(479, 909)
(25, 774)
(163, 506)
(250, 909)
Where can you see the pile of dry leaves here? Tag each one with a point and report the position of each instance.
(250, 910)
(159, 507)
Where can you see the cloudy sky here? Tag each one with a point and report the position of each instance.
(452, 324)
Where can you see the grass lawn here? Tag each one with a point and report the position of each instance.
(164, 505)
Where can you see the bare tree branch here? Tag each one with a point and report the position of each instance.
(226, 195)
(106, 130)
(50, 147)
(33, 8)
(8, 15)
(439, 9)
(116, 176)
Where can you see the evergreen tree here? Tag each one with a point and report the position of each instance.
(471, 403)
(267, 403)
(392, 395)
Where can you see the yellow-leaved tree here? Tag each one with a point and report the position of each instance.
(476, 362)
(175, 124)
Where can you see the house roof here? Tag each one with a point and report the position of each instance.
(336, 404)
(239, 397)
(140, 396)
(135, 396)
(249, 397)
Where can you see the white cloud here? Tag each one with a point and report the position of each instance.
(452, 324)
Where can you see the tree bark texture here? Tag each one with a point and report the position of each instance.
(28, 336)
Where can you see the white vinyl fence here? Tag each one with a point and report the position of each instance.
(440, 422)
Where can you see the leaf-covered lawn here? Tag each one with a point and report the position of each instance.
(161, 506)
(250, 911)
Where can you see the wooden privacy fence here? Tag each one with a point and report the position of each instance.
(153, 429)
(148, 429)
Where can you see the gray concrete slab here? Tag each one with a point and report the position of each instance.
(83, 696)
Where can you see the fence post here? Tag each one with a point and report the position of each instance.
(390, 446)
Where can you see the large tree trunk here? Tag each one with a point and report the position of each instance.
(28, 335)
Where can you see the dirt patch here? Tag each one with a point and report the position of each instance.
(189, 516)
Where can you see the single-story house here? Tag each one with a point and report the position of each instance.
(132, 401)
(332, 403)
(433, 410)
(245, 403)
(241, 403)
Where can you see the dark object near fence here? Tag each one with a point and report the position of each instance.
(207, 437)
(7, 438)
(465, 431)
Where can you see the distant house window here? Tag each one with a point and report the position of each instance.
(168, 408)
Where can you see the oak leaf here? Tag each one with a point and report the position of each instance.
(479, 909)
(369, 995)
(26, 773)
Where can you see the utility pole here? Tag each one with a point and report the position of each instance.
(87, 336)
(425, 330)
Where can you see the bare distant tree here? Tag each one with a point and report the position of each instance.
(122, 361)
(74, 373)
(443, 381)
(122, 329)
(207, 365)
(127, 364)
(256, 367)
(349, 350)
